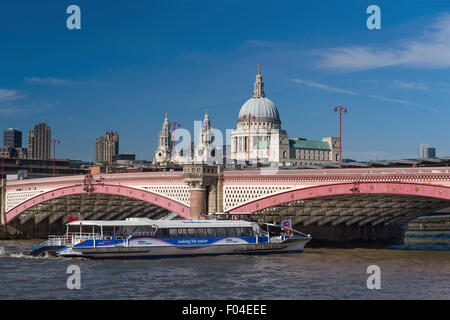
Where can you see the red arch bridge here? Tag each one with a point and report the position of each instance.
(338, 205)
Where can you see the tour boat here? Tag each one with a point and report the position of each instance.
(145, 238)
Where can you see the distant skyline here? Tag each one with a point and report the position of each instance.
(133, 61)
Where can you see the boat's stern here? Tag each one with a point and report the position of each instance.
(45, 248)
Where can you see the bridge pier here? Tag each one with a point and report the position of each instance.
(2, 204)
(202, 180)
(198, 201)
(4, 229)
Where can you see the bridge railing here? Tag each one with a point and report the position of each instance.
(338, 172)
(97, 178)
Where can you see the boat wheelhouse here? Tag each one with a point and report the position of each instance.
(145, 238)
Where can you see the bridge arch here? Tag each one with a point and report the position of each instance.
(177, 207)
(392, 188)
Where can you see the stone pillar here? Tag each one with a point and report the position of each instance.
(3, 204)
(219, 189)
(198, 202)
(200, 178)
(212, 199)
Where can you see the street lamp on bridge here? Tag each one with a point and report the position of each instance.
(54, 153)
(340, 131)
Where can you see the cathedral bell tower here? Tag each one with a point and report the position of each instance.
(163, 152)
(205, 151)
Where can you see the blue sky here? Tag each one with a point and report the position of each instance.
(132, 61)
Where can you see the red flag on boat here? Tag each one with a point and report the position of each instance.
(286, 224)
(73, 218)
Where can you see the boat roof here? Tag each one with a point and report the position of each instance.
(163, 223)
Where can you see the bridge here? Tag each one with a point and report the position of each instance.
(337, 205)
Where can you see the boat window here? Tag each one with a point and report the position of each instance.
(200, 233)
(191, 233)
(211, 232)
(221, 232)
(97, 229)
(182, 233)
(173, 233)
(239, 232)
(108, 231)
(248, 232)
(231, 232)
(162, 233)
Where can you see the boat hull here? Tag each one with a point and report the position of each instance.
(154, 252)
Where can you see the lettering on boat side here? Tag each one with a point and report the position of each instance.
(192, 241)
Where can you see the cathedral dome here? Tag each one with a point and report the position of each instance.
(260, 108)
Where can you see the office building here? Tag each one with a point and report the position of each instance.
(426, 152)
(39, 141)
(12, 138)
(106, 147)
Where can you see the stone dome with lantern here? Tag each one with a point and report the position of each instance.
(261, 110)
(259, 138)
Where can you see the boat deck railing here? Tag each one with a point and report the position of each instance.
(143, 234)
(72, 238)
(282, 238)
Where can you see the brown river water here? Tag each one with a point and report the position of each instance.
(318, 273)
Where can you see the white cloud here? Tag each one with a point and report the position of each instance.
(344, 91)
(401, 101)
(9, 95)
(13, 103)
(410, 85)
(431, 50)
(323, 86)
(51, 81)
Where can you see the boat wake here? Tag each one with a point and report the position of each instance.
(4, 253)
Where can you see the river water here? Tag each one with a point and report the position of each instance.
(314, 274)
